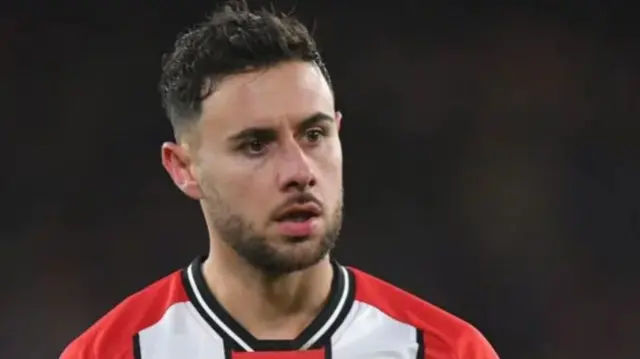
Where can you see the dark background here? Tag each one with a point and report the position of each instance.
(491, 163)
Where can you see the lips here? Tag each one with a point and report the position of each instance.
(298, 220)
(299, 213)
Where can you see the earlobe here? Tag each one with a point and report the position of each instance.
(190, 188)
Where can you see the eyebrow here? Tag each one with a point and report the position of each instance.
(267, 132)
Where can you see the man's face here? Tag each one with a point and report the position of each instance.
(268, 166)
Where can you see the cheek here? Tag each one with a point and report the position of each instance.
(334, 159)
(247, 191)
(242, 185)
(330, 168)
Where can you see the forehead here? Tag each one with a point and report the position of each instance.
(289, 91)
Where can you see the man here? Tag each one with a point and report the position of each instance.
(257, 145)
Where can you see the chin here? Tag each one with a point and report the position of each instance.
(300, 247)
(275, 254)
(291, 240)
(297, 253)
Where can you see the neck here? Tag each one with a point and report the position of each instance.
(268, 307)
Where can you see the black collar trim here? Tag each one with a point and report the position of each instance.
(317, 335)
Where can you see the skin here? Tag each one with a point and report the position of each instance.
(265, 138)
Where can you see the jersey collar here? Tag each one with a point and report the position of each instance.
(316, 335)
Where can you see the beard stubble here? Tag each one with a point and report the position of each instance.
(272, 256)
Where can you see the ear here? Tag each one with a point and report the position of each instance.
(339, 119)
(177, 161)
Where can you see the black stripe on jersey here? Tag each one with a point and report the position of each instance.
(325, 339)
(328, 350)
(229, 344)
(136, 347)
(228, 351)
(422, 353)
(339, 303)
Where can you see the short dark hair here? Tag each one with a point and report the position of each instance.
(233, 39)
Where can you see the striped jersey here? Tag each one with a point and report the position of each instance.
(178, 317)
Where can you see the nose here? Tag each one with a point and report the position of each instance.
(296, 172)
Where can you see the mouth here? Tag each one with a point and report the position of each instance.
(299, 213)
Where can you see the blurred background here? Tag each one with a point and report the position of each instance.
(491, 160)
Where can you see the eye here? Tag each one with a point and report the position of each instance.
(314, 135)
(255, 147)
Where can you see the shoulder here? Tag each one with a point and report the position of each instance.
(442, 331)
(114, 335)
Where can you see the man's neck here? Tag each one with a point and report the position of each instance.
(268, 307)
